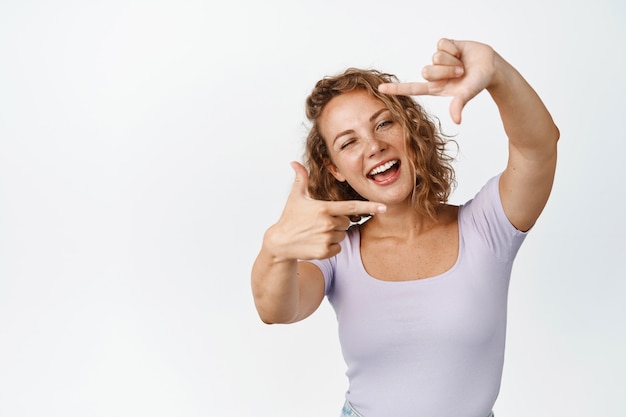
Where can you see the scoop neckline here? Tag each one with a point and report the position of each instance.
(433, 278)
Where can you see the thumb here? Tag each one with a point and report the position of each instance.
(456, 109)
(301, 182)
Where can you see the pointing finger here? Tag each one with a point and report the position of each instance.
(404, 89)
(354, 207)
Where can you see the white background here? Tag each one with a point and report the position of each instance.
(145, 148)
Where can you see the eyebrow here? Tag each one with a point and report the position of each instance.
(372, 118)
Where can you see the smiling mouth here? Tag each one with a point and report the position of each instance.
(384, 171)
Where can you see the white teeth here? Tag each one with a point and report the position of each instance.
(383, 167)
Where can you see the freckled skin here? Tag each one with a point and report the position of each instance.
(359, 138)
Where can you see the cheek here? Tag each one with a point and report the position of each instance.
(349, 163)
(339, 166)
(397, 137)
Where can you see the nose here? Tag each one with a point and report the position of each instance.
(374, 147)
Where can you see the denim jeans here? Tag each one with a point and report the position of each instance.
(348, 411)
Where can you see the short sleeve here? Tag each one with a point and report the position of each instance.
(327, 266)
(485, 215)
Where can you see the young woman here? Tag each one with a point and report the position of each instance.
(419, 286)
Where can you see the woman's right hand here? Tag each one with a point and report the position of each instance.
(312, 229)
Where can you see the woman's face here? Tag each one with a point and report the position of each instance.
(366, 147)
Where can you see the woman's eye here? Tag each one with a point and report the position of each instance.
(384, 124)
(346, 144)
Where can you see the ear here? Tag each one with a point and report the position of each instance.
(333, 170)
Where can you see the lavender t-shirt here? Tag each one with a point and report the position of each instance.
(431, 347)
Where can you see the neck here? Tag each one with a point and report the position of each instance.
(398, 221)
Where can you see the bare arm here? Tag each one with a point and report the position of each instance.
(526, 183)
(462, 69)
(284, 289)
(287, 291)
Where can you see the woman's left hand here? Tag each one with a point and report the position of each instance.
(460, 69)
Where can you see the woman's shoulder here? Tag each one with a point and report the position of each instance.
(448, 214)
